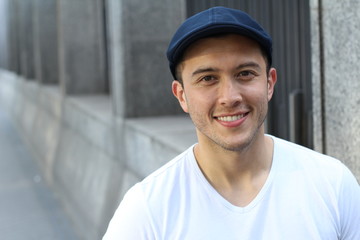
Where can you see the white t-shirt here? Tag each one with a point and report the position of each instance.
(307, 195)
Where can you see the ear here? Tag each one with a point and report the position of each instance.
(179, 93)
(271, 81)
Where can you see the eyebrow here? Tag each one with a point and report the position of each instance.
(211, 69)
(204, 69)
(249, 64)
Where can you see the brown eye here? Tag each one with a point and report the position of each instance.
(246, 75)
(207, 78)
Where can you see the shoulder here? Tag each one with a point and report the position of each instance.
(165, 182)
(321, 171)
(168, 172)
(135, 216)
(301, 156)
(321, 177)
(131, 219)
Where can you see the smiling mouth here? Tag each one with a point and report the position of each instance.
(231, 118)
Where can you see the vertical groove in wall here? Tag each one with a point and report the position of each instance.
(105, 45)
(322, 77)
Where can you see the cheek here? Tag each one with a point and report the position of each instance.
(256, 89)
(199, 101)
(257, 95)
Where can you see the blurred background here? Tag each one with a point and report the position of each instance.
(86, 86)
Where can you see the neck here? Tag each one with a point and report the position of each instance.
(232, 172)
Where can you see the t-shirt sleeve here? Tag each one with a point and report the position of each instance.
(131, 220)
(349, 207)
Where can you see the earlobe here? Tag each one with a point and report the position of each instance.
(179, 93)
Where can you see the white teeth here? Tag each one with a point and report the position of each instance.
(230, 118)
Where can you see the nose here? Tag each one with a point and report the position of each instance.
(229, 93)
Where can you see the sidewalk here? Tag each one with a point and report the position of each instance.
(28, 208)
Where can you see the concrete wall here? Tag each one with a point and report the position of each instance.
(336, 85)
(76, 113)
(4, 37)
(11, 27)
(138, 35)
(25, 33)
(87, 155)
(82, 52)
(95, 136)
(46, 41)
(342, 84)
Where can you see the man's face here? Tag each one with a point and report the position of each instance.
(225, 90)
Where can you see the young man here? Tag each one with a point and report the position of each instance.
(236, 182)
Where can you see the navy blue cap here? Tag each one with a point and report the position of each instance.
(214, 21)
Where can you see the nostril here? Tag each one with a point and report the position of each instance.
(230, 98)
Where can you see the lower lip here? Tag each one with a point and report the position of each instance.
(232, 124)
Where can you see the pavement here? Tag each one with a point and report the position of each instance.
(28, 208)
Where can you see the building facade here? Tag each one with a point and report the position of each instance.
(88, 86)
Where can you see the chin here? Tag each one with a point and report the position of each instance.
(238, 145)
(234, 148)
